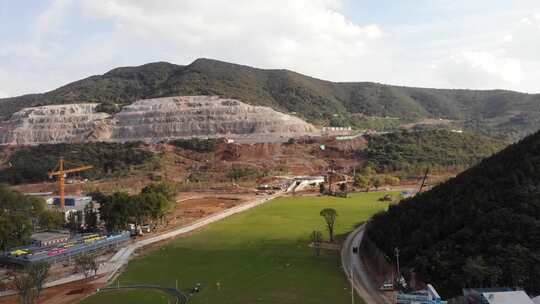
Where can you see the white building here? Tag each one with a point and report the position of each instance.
(507, 297)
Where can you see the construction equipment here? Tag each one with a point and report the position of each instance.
(61, 174)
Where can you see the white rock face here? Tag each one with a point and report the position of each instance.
(52, 124)
(151, 120)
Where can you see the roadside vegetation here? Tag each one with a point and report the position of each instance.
(31, 164)
(260, 256)
(479, 229)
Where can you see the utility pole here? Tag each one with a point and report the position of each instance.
(352, 283)
(396, 251)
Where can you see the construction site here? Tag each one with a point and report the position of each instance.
(228, 179)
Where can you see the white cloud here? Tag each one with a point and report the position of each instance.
(310, 36)
(3, 94)
(473, 48)
(482, 69)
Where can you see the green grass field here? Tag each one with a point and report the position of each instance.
(260, 256)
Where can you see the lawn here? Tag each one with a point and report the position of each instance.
(260, 256)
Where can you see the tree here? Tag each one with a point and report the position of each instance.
(115, 210)
(85, 263)
(377, 182)
(90, 216)
(51, 219)
(476, 271)
(74, 221)
(362, 181)
(316, 239)
(39, 272)
(25, 286)
(391, 180)
(329, 215)
(321, 188)
(167, 189)
(94, 264)
(19, 216)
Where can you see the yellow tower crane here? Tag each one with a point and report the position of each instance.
(61, 174)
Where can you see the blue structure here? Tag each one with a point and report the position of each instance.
(427, 296)
(65, 251)
(73, 201)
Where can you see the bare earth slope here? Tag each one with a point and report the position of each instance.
(151, 120)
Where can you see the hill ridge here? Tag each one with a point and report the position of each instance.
(502, 113)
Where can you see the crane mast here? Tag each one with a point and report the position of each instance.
(61, 175)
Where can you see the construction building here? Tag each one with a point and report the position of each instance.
(55, 248)
(46, 239)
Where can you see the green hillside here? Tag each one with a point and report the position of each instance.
(499, 113)
(31, 164)
(437, 149)
(479, 229)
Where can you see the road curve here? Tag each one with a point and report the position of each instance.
(363, 285)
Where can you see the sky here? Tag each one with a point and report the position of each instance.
(480, 44)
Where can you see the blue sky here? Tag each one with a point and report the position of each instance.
(477, 44)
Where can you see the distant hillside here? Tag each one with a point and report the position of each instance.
(481, 228)
(31, 164)
(501, 113)
(437, 149)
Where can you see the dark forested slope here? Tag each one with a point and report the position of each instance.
(496, 112)
(481, 228)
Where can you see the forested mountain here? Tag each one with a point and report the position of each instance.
(434, 149)
(481, 228)
(501, 113)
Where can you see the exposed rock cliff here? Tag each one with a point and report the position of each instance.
(52, 124)
(151, 120)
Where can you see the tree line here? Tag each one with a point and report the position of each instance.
(21, 215)
(151, 205)
(31, 164)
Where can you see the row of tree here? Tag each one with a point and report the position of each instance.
(150, 206)
(30, 282)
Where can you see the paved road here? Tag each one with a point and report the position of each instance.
(362, 283)
(121, 258)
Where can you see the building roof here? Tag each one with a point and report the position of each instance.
(507, 297)
(48, 236)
